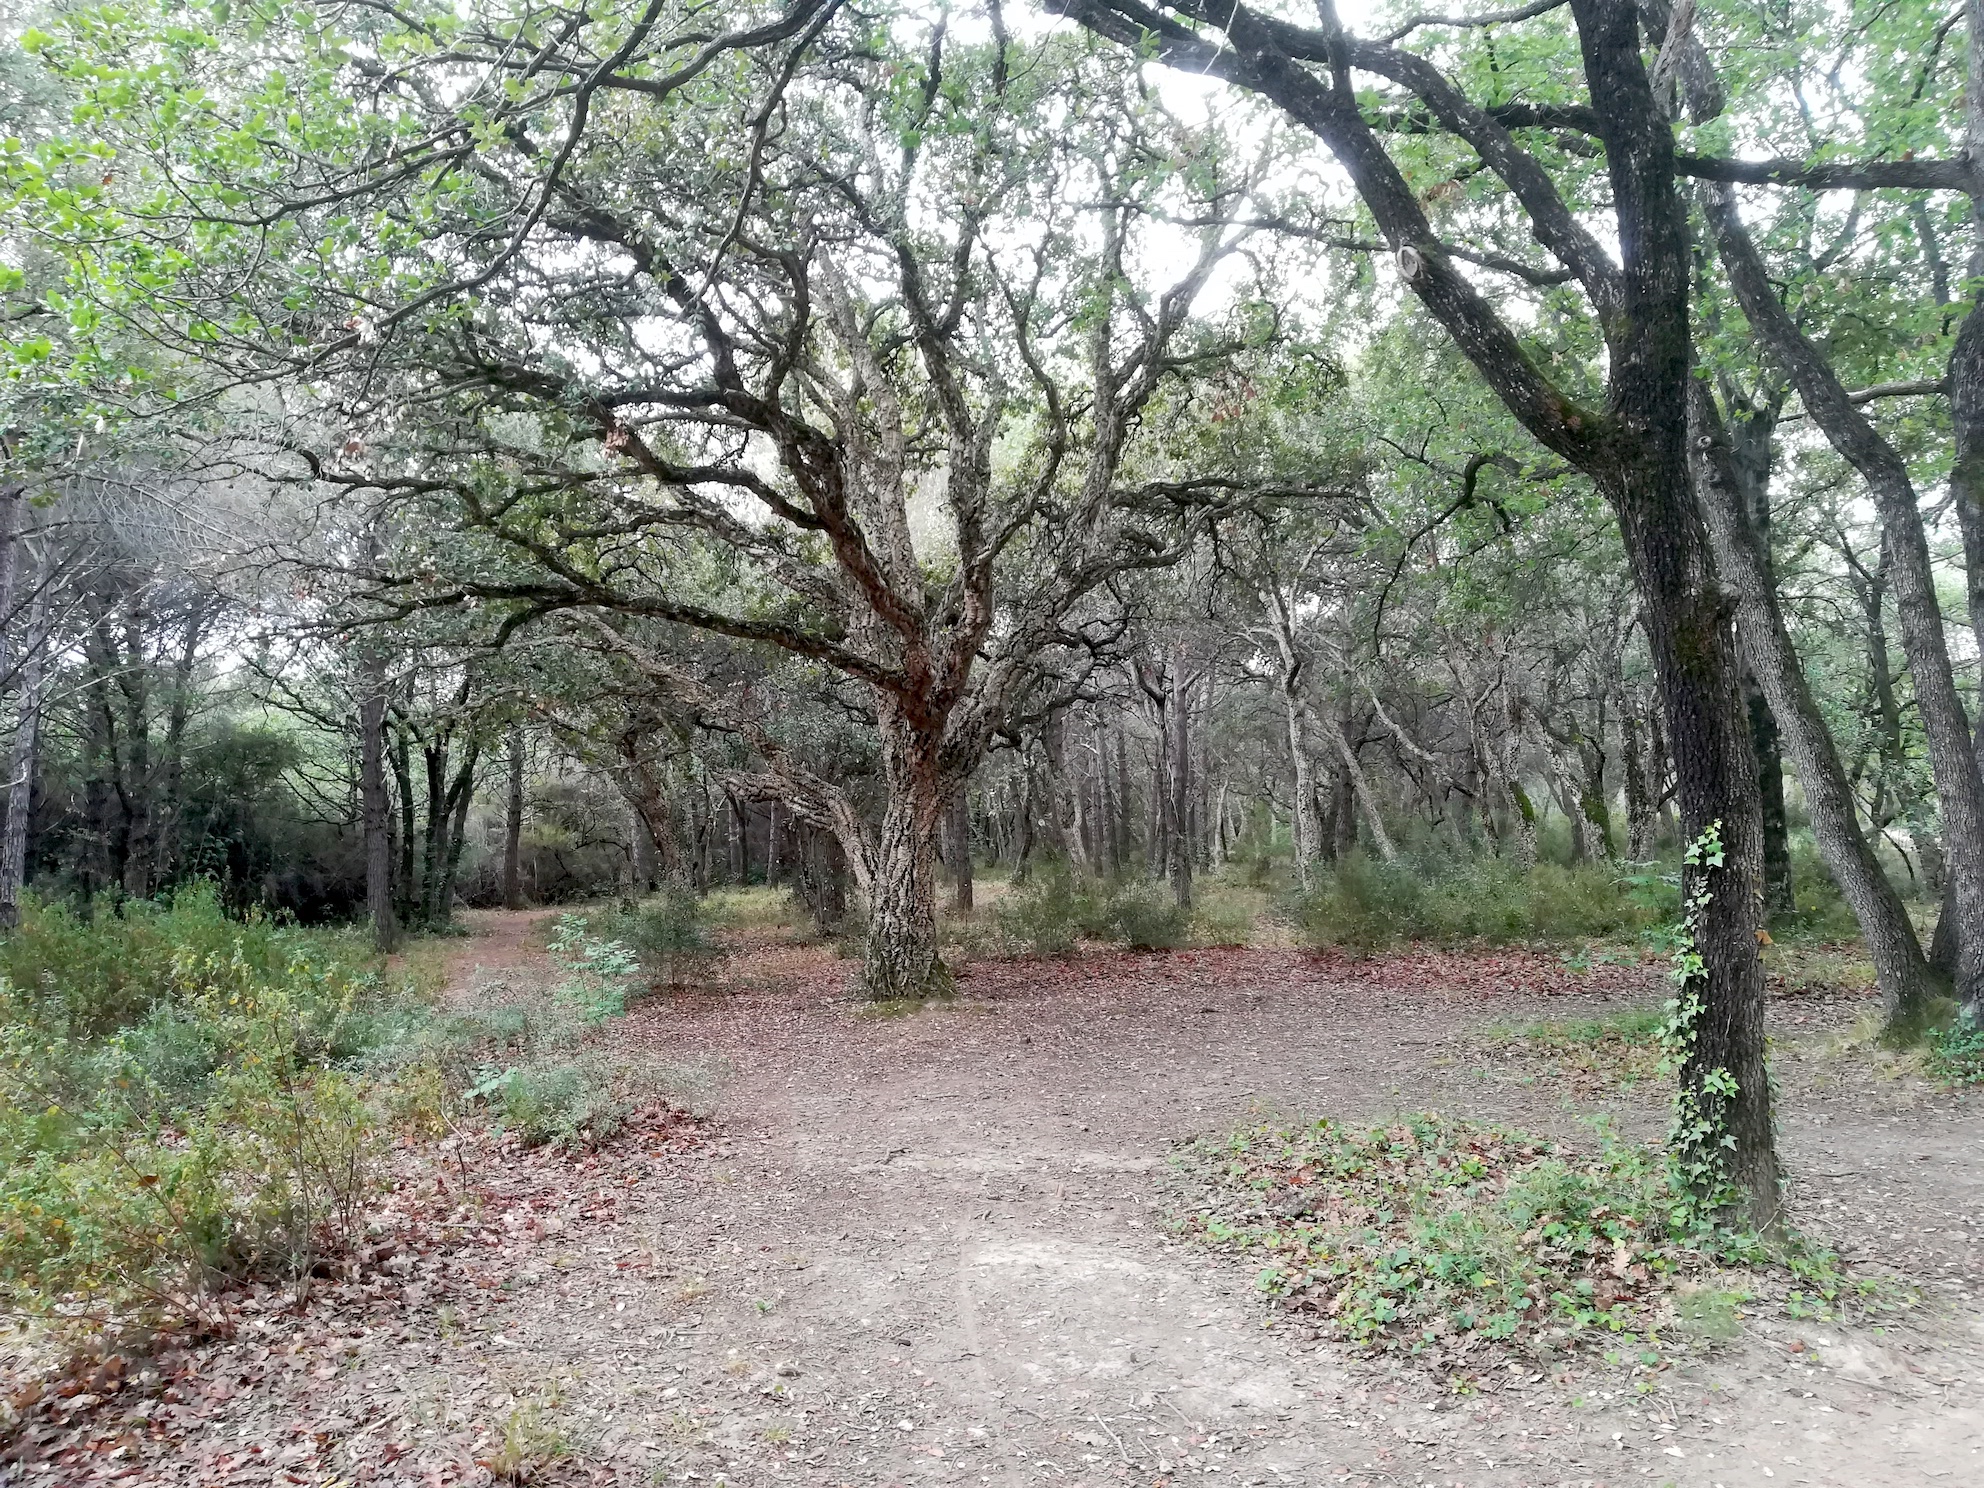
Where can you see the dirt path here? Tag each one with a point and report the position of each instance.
(929, 1250)
(925, 1250)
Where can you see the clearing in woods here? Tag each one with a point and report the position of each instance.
(930, 1249)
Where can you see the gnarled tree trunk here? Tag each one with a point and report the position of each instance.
(900, 867)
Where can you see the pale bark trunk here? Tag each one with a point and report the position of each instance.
(1360, 785)
(1307, 848)
(1585, 845)
(1640, 816)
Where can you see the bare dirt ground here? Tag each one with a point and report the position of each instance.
(930, 1249)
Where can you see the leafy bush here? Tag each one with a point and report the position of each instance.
(1141, 915)
(1366, 905)
(1227, 911)
(1436, 1235)
(1056, 909)
(137, 1183)
(579, 1102)
(1041, 916)
(92, 971)
(667, 932)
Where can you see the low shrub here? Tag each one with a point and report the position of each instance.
(105, 966)
(135, 1184)
(547, 1086)
(577, 1102)
(1141, 915)
(1366, 905)
(1956, 1052)
(1055, 909)
(666, 931)
(1434, 1235)
(1041, 915)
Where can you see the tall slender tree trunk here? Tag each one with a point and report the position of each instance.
(513, 826)
(1308, 845)
(1181, 784)
(1966, 394)
(406, 886)
(434, 760)
(641, 850)
(23, 758)
(134, 781)
(374, 805)
(1126, 846)
(1360, 786)
(1952, 753)
(1585, 843)
(961, 864)
(461, 794)
(1749, 431)
(1640, 816)
(172, 768)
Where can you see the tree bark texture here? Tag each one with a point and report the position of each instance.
(374, 804)
(513, 825)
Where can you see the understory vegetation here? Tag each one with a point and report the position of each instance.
(1364, 904)
(189, 1101)
(1436, 1237)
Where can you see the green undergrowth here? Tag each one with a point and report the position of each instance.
(1956, 1052)
(1449, 1241)
(189, 1102)
(186, 1101)
(1056, 910)
(1366, 905)
(540, 1070)
(668, 932)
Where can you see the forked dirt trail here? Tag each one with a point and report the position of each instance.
(931, 1249)
(927, 1249)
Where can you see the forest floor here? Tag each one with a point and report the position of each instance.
(931, 1249)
